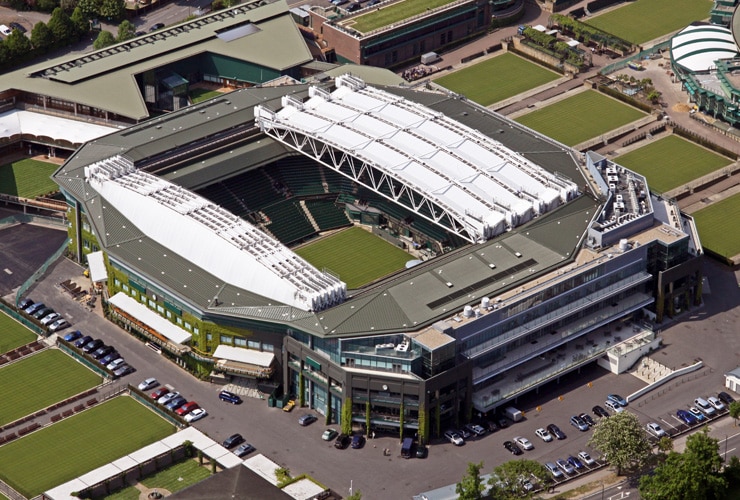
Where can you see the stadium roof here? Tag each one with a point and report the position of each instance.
(105, 79)
(698, 46)
(475, 180)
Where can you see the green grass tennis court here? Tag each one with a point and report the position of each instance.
(580, 117)
(41, 380)
(13, 334)
(718, 226)
(58, 453)
(385, 15)
(497, 79)
(27, 178)
(644, 20)
(358, 256)
(671, 162)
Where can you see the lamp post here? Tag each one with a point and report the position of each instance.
(602, 491)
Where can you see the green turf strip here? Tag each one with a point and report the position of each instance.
(13, 334)
(583, 116)
(718, 226)
(388, 14)
(65, 450)
(671, 162)
(358, 256)
(644, 20)
(178, 476)
(27, 178)
(46, 378)
(497, 79)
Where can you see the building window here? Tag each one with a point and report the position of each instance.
(442, 38)
(253, 344)
(225, 339)
(117, 282)
(134, 294)
(239, 342)
(209, 336)
(196, 330)
(125, 288)
(188, 326)
(160, 309)
(178, 321)
(168, 314)
(152, 304)
(268, 347)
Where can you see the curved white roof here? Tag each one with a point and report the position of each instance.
(212, 238)
(475, 178)
(696, 47)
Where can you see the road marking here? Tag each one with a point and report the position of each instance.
(730, 450)
(668, 423)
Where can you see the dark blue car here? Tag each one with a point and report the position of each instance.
(72, 336)
(686, 417)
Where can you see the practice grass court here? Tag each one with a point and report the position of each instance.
(580, 117)
(671, 162)
(358, 256)
(199, 95)
(13, 334)
(41, 380)
(497, 79)
(27, 178)
(645, 20)
(173, 478)
(718, 226)
(393, 13)
(58, 453)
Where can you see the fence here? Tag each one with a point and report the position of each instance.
(10, 311)
(621, 64)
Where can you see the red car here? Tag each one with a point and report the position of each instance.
(187, 408)
(159, 393)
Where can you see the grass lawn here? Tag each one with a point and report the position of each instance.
(178, 476)
(13, 334)
(393, 13)
(580, 117)
(718, 226)
(79, 444)
(644, 20)
(671, 162)
(497, 79)
(198, 95)
(358, 256)
(45, 377)
(27, 178)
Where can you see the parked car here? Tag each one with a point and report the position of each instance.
(59, 324)
(50, 318)
(159, 393)
(91, 346)
(556, 473)
(686, 417)
(109, 358)
(342, 441)
(25, 303)
(543, 434)
(565, 466)
(5, 30)
(17, 26)
(725, 398)
(196, 414)
(175, 403)
(705, 407)
(476, 429)
(229, 397)
(102, 352)
(156, 26)
(243, 449)
(169, 396)
(615, 407)
(575, 462)
(289, 405)
(587, 418)
(42, 313)
(491, 426)
(697, 414)
(232, 441)
(307, 419)
(82, 342)
(464, 433)
(716, 403)
(113, 365)
(523, 443)
(454, 437)
(358, 441)
(586, 458)
(555, 431)
(655, 429)
(422, 451)
(600, 412)
(329, 434)
(616, 398)
(513, 449)
(579, 423)
(30, 310)
(122, 370)
(187, 408)
(72, 336)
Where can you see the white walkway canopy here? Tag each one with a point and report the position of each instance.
(439, 168)
(18, 122)
(96, 262)
(150, 318)
(213, 238)
(242, 355)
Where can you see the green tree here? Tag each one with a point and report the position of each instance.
(80, 21)
(301, 390)
(664, 446)
(68, 5)
(355, 495)
(423, 425)
(735, 411)
(18, 46)
(91, 8)
(623, 440)
(508, 480)
(42, 38)
(347, 417)
(691, 475)
(46, 5)
(126, 31)
(61, 27)
(732, 473)
(113, 10)
(471, 486)
(104, 39)
(367, 417)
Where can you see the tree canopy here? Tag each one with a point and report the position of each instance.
(509, 479)
(471, 486)
(622, 440)
(104, 39)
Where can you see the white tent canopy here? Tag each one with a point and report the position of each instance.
(17, 122)
(242, 355)
(96, 262)
(150, 318)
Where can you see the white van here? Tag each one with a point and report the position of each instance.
(704, 407)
